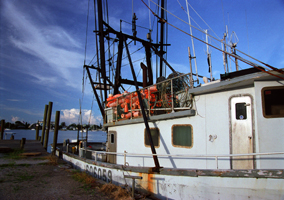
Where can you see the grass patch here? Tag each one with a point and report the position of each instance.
(25, 177)
(23, 165)
(53, 160)
(16, 188)
(12, 164)
(115, 191)
(40, 158)
(16, 154)
(88, 181)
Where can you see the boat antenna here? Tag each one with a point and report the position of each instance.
(233, 42)
(208, 55)
(194, 57)
(247, 32)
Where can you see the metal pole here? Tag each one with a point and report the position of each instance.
(190, 65)
(102, 45)
(172, 94)
(162, 37)
(48, 125)
(189, 22)
(57, 118)
(44, 124)
(156, 161)
(78, 140)
(124, 158)
(208, 54)
(2, 128)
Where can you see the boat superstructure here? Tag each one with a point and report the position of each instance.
(219, 139)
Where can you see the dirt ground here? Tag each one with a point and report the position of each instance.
(27, 181)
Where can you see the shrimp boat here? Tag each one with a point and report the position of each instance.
(178, 138)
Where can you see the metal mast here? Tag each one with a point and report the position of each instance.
(208, 55)
(194, 57)
(162, 36)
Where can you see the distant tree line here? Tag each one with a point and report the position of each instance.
(62, 126)
(17, 125)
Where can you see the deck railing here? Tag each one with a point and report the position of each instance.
(164, 97)
(216, 156)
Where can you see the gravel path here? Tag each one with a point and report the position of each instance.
(43, 181)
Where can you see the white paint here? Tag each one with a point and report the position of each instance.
(242, 133)
(269, 131)
(185, 187)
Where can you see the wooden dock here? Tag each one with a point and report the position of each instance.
(31, 147)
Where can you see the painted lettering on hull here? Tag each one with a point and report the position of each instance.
(100, 173)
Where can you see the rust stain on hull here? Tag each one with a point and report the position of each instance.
(150, 183)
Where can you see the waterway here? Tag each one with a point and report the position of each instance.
(93, 136)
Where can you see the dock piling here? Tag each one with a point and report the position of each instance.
(23, 142)
(44, 123)
(48, 125)
(37, 132)
(2, 128)
(57, 118)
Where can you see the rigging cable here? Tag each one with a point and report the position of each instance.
(86, 41)
(235, 56)
(203, 20)
(91, 110)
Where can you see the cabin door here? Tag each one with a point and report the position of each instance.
(241, 132)
(111, 158)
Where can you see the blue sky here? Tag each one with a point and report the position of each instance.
(43, 47)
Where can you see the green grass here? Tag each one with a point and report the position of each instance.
(16, 188)
(24, 165)
(88, 181)
(16, 154)
(12, 164)
(25, 177)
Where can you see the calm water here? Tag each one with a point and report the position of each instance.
(93, 136)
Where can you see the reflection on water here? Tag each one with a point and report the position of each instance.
(93, 136)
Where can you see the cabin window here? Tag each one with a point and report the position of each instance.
(241, 111)
(273, 102)
(155, 133)
(112, 138)
(182, 136)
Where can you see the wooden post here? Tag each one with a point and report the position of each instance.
(44, 123)
(23, 142)
(37, 132)
(57, 118)
(48, 125)
(2, 128)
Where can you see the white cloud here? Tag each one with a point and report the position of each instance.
(15, 100)
(47, 42)
(14, 119)
(73, 116)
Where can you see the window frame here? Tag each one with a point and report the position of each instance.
(236, 111)
(263, 101)
(172, 135)
(112, 138)
(145, 132)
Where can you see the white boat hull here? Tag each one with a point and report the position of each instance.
(189, 184)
